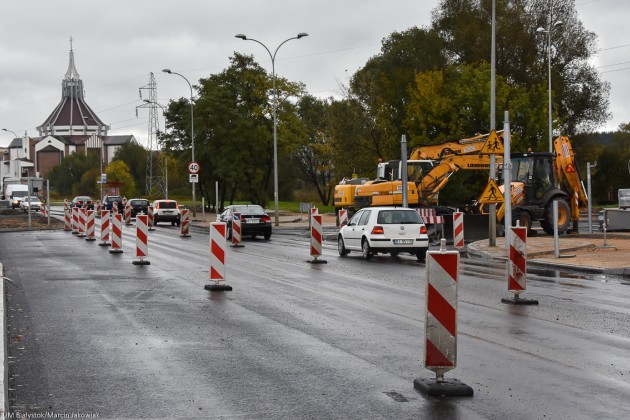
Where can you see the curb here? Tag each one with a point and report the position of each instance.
(4, 367)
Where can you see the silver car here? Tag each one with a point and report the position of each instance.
(390, 230)
(34, 203)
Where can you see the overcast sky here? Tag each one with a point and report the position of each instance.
(118, 43)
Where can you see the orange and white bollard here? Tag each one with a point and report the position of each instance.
(217, 258)
(517, 266)
(142, 236)
(98, 208)
(185, 224)
(151, 224)
(115, 207)
(458, 230)
(105, 223)
(440, 326)
(116, 234)
(75, 220)
(343, 217)
(89, 226)
(82, 220)
(237, 230)
(67, 218)
(316, 240)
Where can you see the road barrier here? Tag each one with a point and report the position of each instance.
(142, 245)
(128, 214)
(316, 240)
(82, 220)
(237, 229)
(105, 223)
(75, 220)
(517, 266)
(98, 208)
(151, 218)
(343, 217)
(217, 258)
(67, 218)
(440, 326)
(89, 226)
(458, 230)
(185, 224)
(115, 207)
(116, 234)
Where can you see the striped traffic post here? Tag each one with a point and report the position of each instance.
(217, 258)
(517, 266)
(105, 223)
(185, 224)
(142, 235)
(89, 226)
(98, 208)
(343, 217)
(67, 220)
(116, 234)
(75, 220)
(313, 212)
(440, 326)
(115, 207)
(316, 240)
(237, 230)
(458, 230)
(151, 218)
(127, 214)
(82, 220)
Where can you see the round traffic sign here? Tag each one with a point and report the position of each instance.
(193, 168)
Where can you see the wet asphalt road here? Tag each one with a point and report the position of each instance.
(90, 332)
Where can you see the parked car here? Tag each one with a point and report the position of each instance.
(139, 206)
(108, 202)
(166, 211)
(32, 202)
(254, 220)
(79, 201)
(384, 230)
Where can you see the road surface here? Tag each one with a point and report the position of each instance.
(89, 332)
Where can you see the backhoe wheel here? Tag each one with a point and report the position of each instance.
(525, 220)
(564, 217)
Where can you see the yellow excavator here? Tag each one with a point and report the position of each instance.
(539, 179)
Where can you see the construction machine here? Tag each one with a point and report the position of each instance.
(539, 179)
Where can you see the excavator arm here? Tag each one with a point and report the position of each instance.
(447, 148)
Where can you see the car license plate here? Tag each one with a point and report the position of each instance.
(403, 241)
(168, 211)
(252, 220)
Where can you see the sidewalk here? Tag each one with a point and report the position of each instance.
(581, 252)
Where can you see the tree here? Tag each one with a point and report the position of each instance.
(118, 171)
(66, 177)
(135, 157)
(313, 152)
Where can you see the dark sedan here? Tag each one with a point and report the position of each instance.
(139, 206)
(254, 220)
(83, 201)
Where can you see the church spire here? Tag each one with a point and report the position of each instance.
(72, 73)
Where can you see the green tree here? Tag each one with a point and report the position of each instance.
(135, 157)
(66, 178)
(118, 171)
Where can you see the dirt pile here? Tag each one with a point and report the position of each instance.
(17, 219)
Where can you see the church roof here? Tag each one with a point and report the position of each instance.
(72, 112)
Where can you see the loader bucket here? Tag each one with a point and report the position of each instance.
(475, 227)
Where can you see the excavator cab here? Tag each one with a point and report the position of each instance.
(535, 171)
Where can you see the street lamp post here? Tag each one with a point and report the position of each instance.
(548, 32)
(10, 131)
(192, 131)
(275, 110)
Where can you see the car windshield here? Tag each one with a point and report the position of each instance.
(83, 198)
(139, 202)
(388, 217)
(31, 198)
(167, 205)
(248, 210)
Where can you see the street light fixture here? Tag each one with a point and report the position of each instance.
(548, 32)
(192, 131)
(275, 110)
(10, 131)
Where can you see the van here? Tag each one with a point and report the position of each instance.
(14, 193)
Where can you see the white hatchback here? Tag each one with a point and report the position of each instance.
(389, 230)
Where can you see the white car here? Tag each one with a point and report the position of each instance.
(166, 211)
(34, 203)
(389, 230)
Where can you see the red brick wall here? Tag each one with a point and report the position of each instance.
(46, 161)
